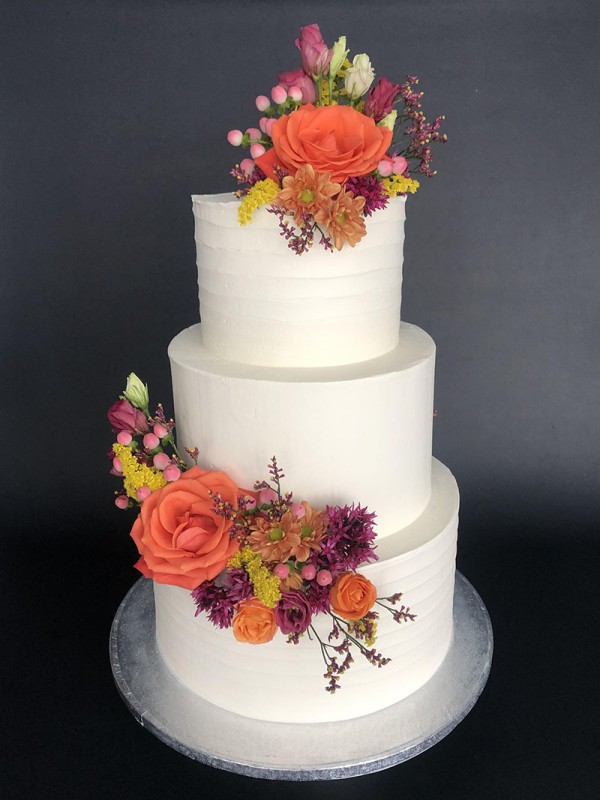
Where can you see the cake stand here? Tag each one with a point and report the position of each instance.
(298, 752)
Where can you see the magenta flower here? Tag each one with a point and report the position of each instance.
(125, 417)
(315, 53)
(371, 188)
(303, 81)
(381, 98)
(293, 613)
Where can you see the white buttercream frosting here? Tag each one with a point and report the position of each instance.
(359, 433)
(282, 682)
(260, 303)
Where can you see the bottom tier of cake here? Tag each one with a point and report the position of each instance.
(281, 682)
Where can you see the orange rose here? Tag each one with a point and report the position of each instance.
(352, 595)
(335, 139)
(254, 622)
(181, 540)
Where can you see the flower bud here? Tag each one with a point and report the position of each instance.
(142, 493)
(279, 94)
(136, 392)
(389, 120)
(359, 76)
(122, 501)
(172, 473)
(257, 150)
(338, 56)
(151, 441)
(309, 571)
(235, 137)
(262, 102)
(295, 92)
(160, 430)
(281, 571)
(161, 461)
(124, 437)
(324, 577)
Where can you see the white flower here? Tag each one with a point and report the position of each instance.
(338, 56)
(136, 392)
(359, 76)
(389, 121)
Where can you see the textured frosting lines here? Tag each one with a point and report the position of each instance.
(262, 304)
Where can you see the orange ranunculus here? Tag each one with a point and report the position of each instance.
(335, 139)
(180, 538)
(352, 595)
(254, 622)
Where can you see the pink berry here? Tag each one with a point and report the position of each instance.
(117, 466)
(384, 168)
(143, 493)
(256, 150)
(298, 510)
(247, 165)
(124, 437)
(267, 496)
(296, 93)
(262, 102)
(309, 571)
(254, 134)
(235, 137)
(172, 473)
(281, 571)
(279, 94)
(122, 501)
(262, 124)
(160, 430)
(249, 502)
(151, 441)
(161, 461)
(324, 577)
(399, 165)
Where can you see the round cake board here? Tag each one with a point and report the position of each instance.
(298, 752)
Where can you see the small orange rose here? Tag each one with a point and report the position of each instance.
(182, 541)
(334, 139)
(352, 595)
(254, 623)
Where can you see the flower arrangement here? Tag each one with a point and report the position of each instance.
(255, 560)
(331, 147)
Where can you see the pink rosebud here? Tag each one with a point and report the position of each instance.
(399, 165)
(160, 430)
(172, 473)
(254, 134)
(281, 571)
(125, 417)
(266, 497)
(117, 466)
(143, 493)
(300, 79)
(324, 577)
(161, 461)
(124, 437)
(122, 501)
(295, 92)
(298, 510)
(279, 94)
(151, 441)
(381, 98)
(384, 168)
(247, 165)
(262, 102)
(309, 571)
(315, 53)
(257, 150)
(235, 137)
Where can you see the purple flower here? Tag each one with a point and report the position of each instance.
(381, 98)
(220, 596)
(369, 187)
(315, 53)
(124, 417)
(300, 79)
(293, 613)
(348, 542)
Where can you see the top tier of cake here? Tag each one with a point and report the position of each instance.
(262, 304)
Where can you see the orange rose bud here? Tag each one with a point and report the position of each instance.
(352, 595)
(254, 623)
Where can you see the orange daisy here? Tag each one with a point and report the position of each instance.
(307, 191)
(343, 219)
(275, 540)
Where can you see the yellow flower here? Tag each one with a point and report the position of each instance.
(262, 192)
(136, 475)
(265, 584)
(398, 184)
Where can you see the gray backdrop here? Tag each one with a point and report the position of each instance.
(114, 113)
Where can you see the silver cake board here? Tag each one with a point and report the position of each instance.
(298, 752)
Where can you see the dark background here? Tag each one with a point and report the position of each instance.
(113, 113)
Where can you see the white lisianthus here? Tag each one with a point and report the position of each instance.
(136, 392)
(359, 76)
(338, 56)
(389, 121)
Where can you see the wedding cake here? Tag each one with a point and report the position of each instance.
(301, 362)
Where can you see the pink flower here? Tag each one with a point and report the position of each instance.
(315, 53)
(380, 100)
(303, 81)
(124, 417)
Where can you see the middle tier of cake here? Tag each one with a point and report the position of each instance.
(358, 433)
